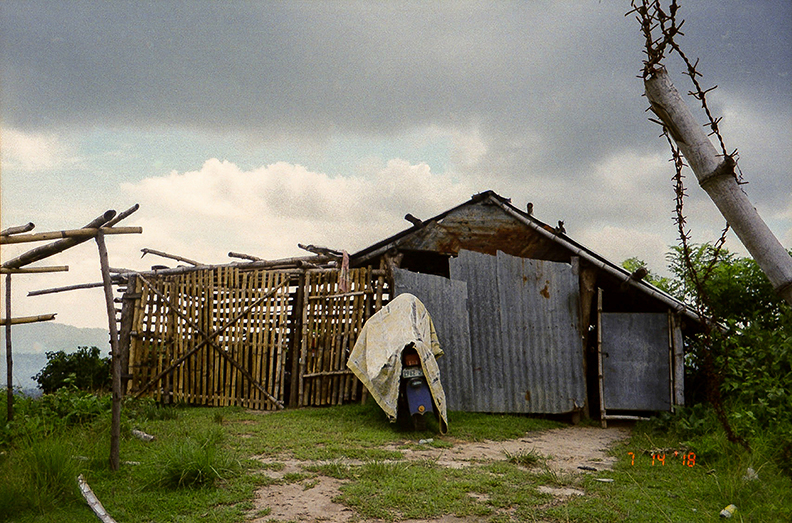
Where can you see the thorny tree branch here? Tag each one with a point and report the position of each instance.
(653, 19)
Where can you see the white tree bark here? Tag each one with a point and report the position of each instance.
(715, 175)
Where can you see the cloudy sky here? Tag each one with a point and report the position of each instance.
(252, 126)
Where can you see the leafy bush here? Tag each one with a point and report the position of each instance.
(84, 369)
(36, 418)
(752, 356)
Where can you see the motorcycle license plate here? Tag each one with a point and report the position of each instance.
(414, 372)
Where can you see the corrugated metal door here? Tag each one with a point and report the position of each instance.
(635, 361)
(446, 301)
(526, 348)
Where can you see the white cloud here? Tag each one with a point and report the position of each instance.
(266, 211)
(29, 152)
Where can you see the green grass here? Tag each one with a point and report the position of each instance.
(199, 468)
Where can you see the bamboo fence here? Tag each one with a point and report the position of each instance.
(228, 336)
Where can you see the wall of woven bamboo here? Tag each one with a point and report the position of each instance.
(260, 339)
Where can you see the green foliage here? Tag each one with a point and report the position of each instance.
(735, 290)
(752, 355)
(51, 413)
(83, 369)
(634, 264)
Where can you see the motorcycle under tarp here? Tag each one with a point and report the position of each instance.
(376, 357)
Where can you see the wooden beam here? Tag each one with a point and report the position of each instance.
(71, 233)
(122, 215)
(171, 256)
(35, 270)
(18, 229)
(45, 251)
(27, 319)
(66, 288)
(242, 256)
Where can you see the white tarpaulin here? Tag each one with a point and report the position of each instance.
(376, 357)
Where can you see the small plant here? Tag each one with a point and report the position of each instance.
(527, 459)
(195, 462)
(217, 417)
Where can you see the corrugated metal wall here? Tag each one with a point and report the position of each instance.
(446, 301)
(540, 310)
(525, 348)
(535, 304)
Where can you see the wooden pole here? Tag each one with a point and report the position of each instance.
(128, 301)
(296, 341)
(39, 253)
(70, 233)
(115, 428)
(35, 270)
(171, 256)
(9, 358)
(29, 319)
(243, 256)
(122, 215)
(66, 288)
(716, 175)
(18, 229)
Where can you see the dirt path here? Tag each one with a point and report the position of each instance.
(567, 449)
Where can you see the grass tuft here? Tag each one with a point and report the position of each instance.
(527, 459)
(195, 462)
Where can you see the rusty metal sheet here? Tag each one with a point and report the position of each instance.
(635, 361)
(526, 348)
(489, 367)
(446, 301)
(481, 228)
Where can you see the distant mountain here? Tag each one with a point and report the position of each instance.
(30, 342)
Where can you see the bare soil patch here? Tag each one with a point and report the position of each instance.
(566, 449)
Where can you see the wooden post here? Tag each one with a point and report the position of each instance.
(9, 358)
(296, 341)
(603, 420)
(125, 333)
(115, 428)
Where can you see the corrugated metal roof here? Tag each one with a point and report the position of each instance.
(489, 222)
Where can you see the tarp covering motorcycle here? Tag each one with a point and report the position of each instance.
(376, 356)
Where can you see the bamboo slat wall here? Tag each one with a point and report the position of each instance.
(196, 305)
(204, 336)
(332, 319)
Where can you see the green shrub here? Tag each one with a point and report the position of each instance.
(36, 418)
(83, 369)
